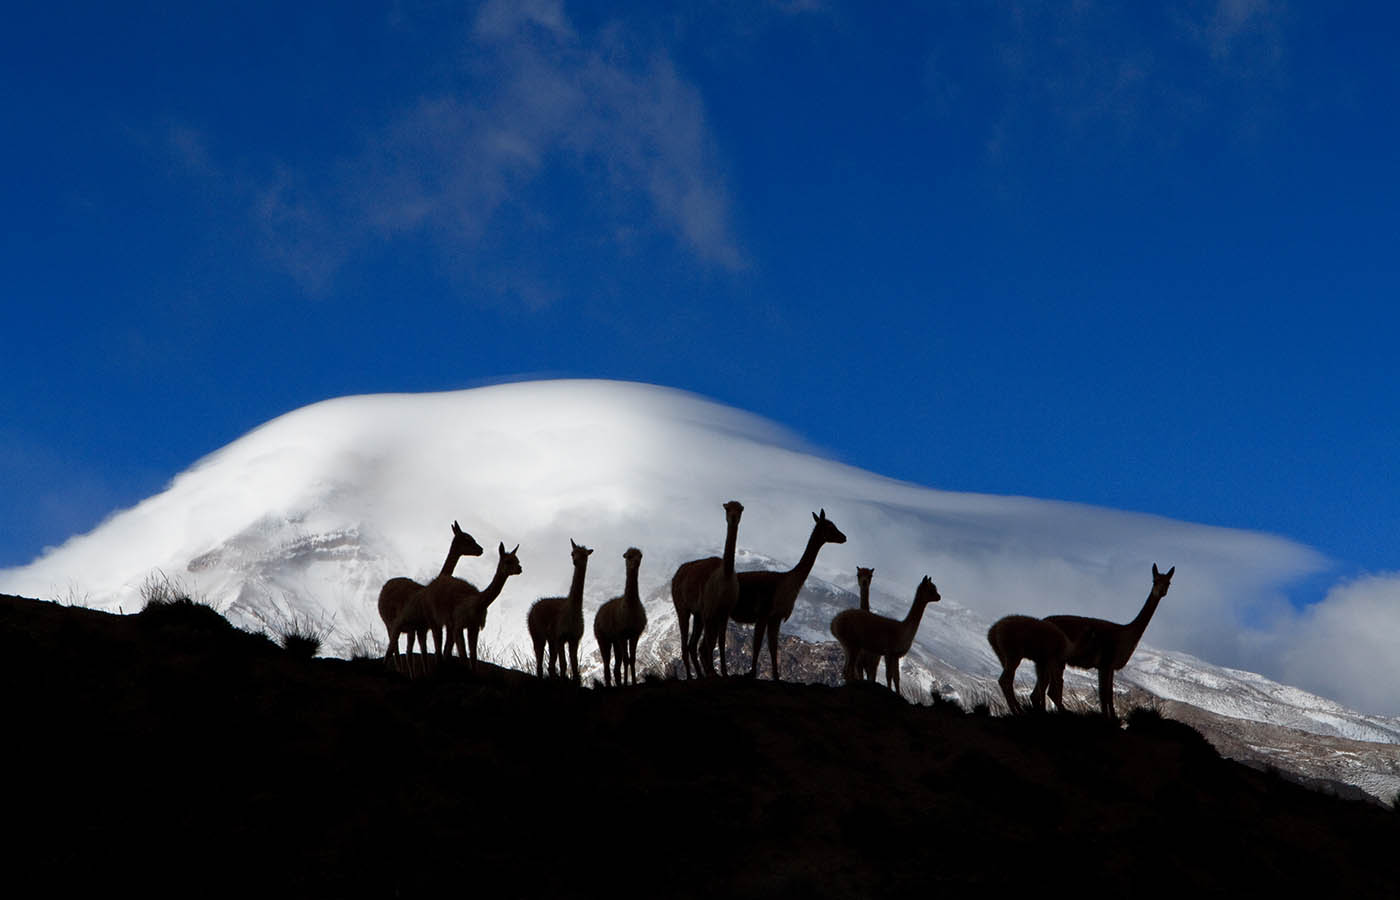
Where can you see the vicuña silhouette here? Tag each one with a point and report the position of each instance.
(558, 621)
(719, 594)
(620, 622)
(766, 598)
(861, 631)
(396, 592)
(1014, 638)
(1107, 646)
(467, 615)
(868, 663)
(687, 590)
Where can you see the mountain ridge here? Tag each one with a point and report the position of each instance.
(166, 748)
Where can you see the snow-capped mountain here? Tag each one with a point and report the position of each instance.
(313, 511)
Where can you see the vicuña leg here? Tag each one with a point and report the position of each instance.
(1106, 693)
(1008, 685)
(892, 672)
(758, 629)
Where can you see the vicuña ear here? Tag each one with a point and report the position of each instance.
(456, 529)
(501, 548)
(1171, 571)
(1155, 573)
(517, 547)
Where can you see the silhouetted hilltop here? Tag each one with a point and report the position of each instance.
(169, 749)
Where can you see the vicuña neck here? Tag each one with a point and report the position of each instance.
(498, 581)
(731, 543)
(449, 565)
(1137, 626)
(576, 586)
(630, 594)
(911, 623)
(865, 596)
(809, 556)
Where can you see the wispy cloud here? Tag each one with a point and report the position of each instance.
(539, 99)
(1232, 24)
(1090, 71)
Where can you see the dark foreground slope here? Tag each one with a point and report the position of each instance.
(173, 751)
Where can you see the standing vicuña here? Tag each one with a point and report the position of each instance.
(395, 594)
(1014, 638)
(687, 592)
(1107, 646)
(720, 593)
(468, 615)
(558, 621)
(766, 598)
(620, 622)
(861, 631)
(868, 663)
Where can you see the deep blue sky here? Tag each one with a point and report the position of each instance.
(1146, 260)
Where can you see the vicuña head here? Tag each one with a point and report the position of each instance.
(463, 544)
(826, 531)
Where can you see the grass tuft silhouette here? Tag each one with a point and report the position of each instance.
(301, 634)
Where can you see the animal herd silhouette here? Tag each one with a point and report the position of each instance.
(708, 593)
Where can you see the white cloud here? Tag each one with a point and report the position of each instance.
(1347, 646)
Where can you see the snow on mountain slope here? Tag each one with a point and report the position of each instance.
(317, 508)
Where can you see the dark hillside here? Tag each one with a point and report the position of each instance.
(171, 750)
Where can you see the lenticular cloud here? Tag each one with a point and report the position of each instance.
(315, 509)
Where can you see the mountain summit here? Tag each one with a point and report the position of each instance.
(314, 510)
